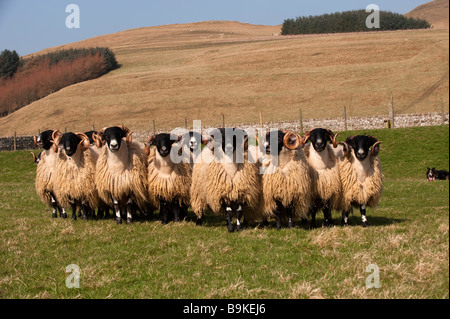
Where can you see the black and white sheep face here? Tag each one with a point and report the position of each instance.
(319, 139)
(163, 143)
(273, 143)
(44, 140)
(230, 140)
(113, 137)
(69, 143)
(361, 145)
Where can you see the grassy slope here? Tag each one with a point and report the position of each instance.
(203, 70)
(408, 240)
(435, 12)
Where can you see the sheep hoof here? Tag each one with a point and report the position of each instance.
(129, 220)
(54, 215)
(118, 220)
(290, 225)
(64, 215)
(365, 224)
(230, 228)
(84, 217)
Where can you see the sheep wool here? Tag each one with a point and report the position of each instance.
(362, 182)
(122, 175)
(74, 179)
(215, 184)
(167, 180)
(289, 183)
(326, 181)
(45, 175)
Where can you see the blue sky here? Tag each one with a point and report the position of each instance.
(29, 26)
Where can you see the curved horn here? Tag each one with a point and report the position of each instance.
(35, 141)
(375, 149)
(129, 138)
(34, 157)
(56, 138)
(346, 149)
(148, 144)
(305, 138)
(85, 143)
(334, 140)
(291, 141)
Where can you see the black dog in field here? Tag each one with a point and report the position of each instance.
(433, 174)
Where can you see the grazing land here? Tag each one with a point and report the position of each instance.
(200, 71)
(408, 240)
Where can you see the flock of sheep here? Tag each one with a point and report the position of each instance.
(275, 174)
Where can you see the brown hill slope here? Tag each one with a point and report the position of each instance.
(435, 12)
(202, 70)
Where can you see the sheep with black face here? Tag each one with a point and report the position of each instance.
(361, 175)
(286, 182)
(326, 182)
(121, 172)
(168, 182)
(46, 166)
(224, 179)
(74, 176)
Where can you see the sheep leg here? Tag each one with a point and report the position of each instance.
(54, 207)
(289, 215)
(85, 210)
(117, 211)
(129, 211)
(277, 213)
(313, 212)
(163, 211)
(74, 210)
(176, 213)
(238, 218)
(328, 221)
(345, 218)
(62, 212)
(229, 211)
(365, 223)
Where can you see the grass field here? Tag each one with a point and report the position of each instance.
(408, 240)
(200, 71)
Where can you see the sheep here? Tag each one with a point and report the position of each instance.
(361, 175)
(121, 171)
(74, 175)
(46, 165)
(286, 182)
(224, 179)
(326, 182)
(168, 182)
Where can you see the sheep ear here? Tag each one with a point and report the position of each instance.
(151, 140)
(85, 143)
(346, 149)
(350, 141)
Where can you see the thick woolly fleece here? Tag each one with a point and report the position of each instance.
(288, 183)
(45, 175)
(122, 175)
(166, 180)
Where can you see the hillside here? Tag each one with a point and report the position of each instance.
(206, 69)
(435, 12)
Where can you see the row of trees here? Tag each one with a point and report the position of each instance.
(37, 77)
(349, 21)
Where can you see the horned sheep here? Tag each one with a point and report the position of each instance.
(361, 175)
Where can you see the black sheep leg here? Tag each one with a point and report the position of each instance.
(289, 216)
(85, 210)
(238, 218)
(327, 219)
(164, 212)
(229, 212)
(365, 223)
(129, 209)
(117, 211)
(313, 212)
(74, 210)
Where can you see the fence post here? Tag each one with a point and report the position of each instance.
(154, 128)
(15, 140)
(301, 121)
(345, 118)
(185, 123)
(260, 120)
(391, 112)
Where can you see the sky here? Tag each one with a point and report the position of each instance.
(29, 26)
